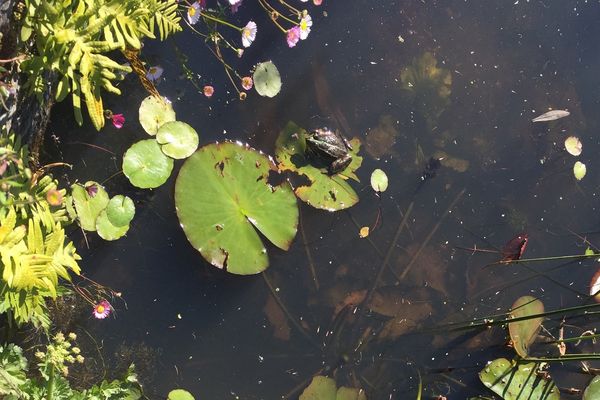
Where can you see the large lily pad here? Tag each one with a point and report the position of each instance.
(513, 381)
(120, 210)
(267, 80)
(177, 139)
(154, 112)
(222, 195)
(146, 165)
(592, 392)
(89, 200)
(324, 191)
(522, 333)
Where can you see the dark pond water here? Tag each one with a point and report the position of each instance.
(224, 337)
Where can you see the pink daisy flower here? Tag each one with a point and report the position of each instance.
(193, 13)
(154, 73)
(102, 309)
(293, 35)
(317, 2)
(208, 91)
(247, 83)
(118, 120)
(305, 24)
(248, 33)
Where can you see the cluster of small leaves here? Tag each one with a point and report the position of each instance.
(17, 382)
(148, 163)
(72, 37)
(34, 250)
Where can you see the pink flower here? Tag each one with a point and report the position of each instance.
(305, 24)
(235, 4)
(102, 309)
(247, 83)
(208, 91)
(118, 120)
(317, 2)
(293, 35)
(248, 33)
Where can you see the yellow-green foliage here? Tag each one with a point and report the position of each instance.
(34, 251)
(72, 37)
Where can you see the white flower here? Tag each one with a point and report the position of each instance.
(154, 73)
(248, 33)
(193, 13)
(234, 2)
(305, 24)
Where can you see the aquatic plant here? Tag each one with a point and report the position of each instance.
(324, 388)
(179, 394)
(50, 379)
(72, 38)
(323, 191)
(223, 196)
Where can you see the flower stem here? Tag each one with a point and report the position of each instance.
(269, 9)
(215, 19)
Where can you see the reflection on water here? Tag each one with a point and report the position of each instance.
(224, 336)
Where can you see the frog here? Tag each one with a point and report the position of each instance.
(331, 147)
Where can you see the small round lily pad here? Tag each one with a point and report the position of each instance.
(154, 112)
(379, 181)
(180, 394)
(146, 165)
(106, 230)
(267, 80)
(177, 139)
(120, 210)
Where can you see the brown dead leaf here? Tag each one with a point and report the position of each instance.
(277, 318)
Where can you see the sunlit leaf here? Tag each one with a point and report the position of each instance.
(320, 388)
(154, 112)
(364, 232)
(551, 115)
(592, 391)
(146, 165)
(523, 333)
(108, 231)
(379, 181)
(347, 393)
(180, 394)
(595, 286)
(324, 191)
(120, 210)
(223, 197)
(267, 80)
(513, 381)
(89, 203)
(579, 170)
(573, 145)
(177, 139)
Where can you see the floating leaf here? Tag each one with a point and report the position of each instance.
(573, 145)
(595, 286)
(180, 394)
(522, 333)
(177, 139)
(364, 232)
(267, 80)
(513, 381)
(222, 195)
(324, 191)
(592, 391)
(108, 231)
(320, 388)
(145, 165)
(120, 210)
(347, 393)
(379, 181)
(579, 170)
(551, 115)
(154, 112)
(87, 206)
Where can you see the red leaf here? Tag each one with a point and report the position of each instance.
(515, 247)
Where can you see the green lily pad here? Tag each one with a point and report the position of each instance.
(154, 112)
(523, 333)
(108, 231)
(180, 394)
(267, 80)
(379, 181)
(89, 200)
(324, 191)
(592, 392)
(513, 381)
(346, 393)
(177, 139)
(222, 195)
(146, 165)
(120, 210)
(320, 388)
